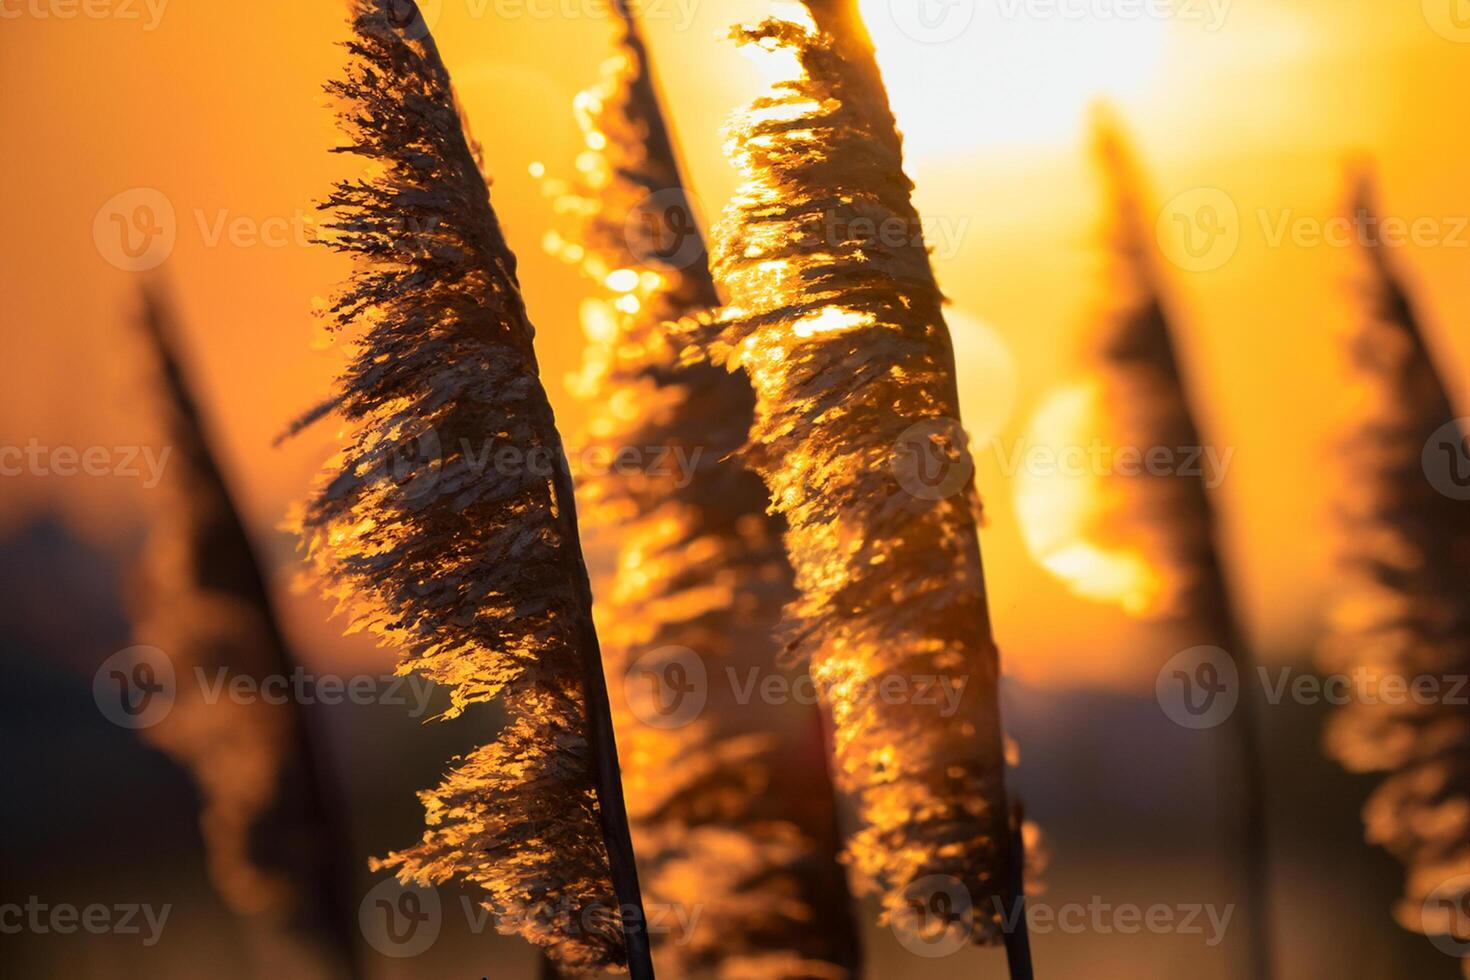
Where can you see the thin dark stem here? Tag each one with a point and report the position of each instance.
(1018, 940)
(607, 777)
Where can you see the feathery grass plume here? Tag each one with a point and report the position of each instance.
(474, 574)
(1405, 608)
(275, 844)
(835, 315)
(732, 810)
(1144, 399)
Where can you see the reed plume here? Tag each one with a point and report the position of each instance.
(448, 526)
(835, 315)
(1145, 401)
(275, 845)
(1404, 611)
(732, 812)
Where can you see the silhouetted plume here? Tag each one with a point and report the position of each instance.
(732, 811)
(1145, 403)
(1404, 612)
(843, 336)
(448, 526)
(275, 845)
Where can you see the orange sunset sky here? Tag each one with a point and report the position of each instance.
(217, 107)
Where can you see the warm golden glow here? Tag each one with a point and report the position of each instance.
(1046, 67)
(1060, 504)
